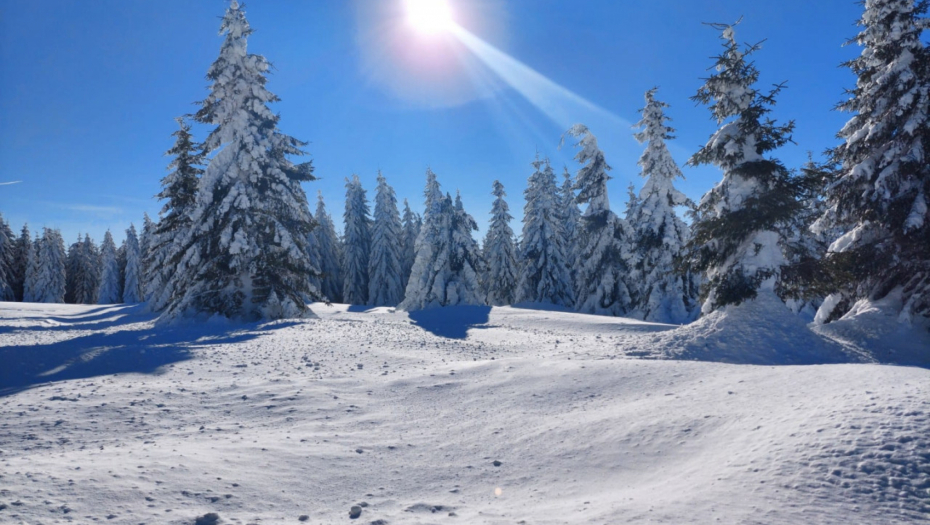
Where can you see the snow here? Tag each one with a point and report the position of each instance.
(103, 415)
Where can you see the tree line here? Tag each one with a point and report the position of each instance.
(236, 236)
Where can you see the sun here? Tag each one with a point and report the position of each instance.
(429, 16)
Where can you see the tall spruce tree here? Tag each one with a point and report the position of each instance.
(7, 261)
(246, 256)
(605, 257)
(411, 225)
(110, 280)
(445, 271)
(179, 191)
(544, 271)
(31, 259)
(330, 253)
(385, 270)
(132, 275)
(500, 253)
(146, 238)
(356, 243)
(739, 240)
(666, 295)
(83, 273)
(50, 268)
(571, 225)
(880, 195)
(22, 257)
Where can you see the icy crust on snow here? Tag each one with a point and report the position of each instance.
(408, 413)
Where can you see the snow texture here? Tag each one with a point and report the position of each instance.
(495, 415)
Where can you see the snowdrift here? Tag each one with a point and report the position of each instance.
(485, 415)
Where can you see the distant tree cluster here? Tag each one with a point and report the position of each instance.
(236, 236)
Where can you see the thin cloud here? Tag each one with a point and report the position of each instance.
(92, 209)
(11, 182)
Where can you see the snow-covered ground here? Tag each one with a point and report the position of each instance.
(461, 415)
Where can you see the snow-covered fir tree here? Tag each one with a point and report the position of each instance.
(7, 261)
(50, 268)
(605, 257)
(110, 279)
(30, 259)
(83, 273)
(500, 253)
(179, 191)
(330, 249)
(246, 256)
(132, 275)
(445, 271)
(738, 241)
(881, 193)
(145, 248)
(411, 225)
(666, 295)
(544, 270)
(22, 258)
(356, 243)
(571, 222)
(385, 271)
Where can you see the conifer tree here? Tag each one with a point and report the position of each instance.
(22, 258)
(246, 256)
(605, 257)
(73, 270)
(739, 242)
(665, 294)
(49, 284)
(448, 261)
(411, 230)
(132, 276)
(83, 279)
(31, 258)
(145, 251)
(179, 191)
(571, 221)
(500, 253)
(7, 261)
(110, 281)
(330, 253)
(356, 243)
(544, 271)
(880, 195)
(385, 272)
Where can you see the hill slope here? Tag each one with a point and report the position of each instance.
(408, 413)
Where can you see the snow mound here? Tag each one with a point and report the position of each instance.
(874, 328)
(761, 332)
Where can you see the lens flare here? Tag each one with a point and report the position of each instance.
(429, 16)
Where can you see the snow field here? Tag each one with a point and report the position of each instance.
(408, 413)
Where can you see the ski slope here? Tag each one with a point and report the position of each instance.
(459, 415)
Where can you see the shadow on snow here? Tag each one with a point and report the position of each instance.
(116, 351)
(451, 322)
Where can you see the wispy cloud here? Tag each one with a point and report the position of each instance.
(11, 182)
(92, 209)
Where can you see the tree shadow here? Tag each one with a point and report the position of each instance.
(451, 322)
(116, 351)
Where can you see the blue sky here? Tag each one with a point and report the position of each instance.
(89, 91)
